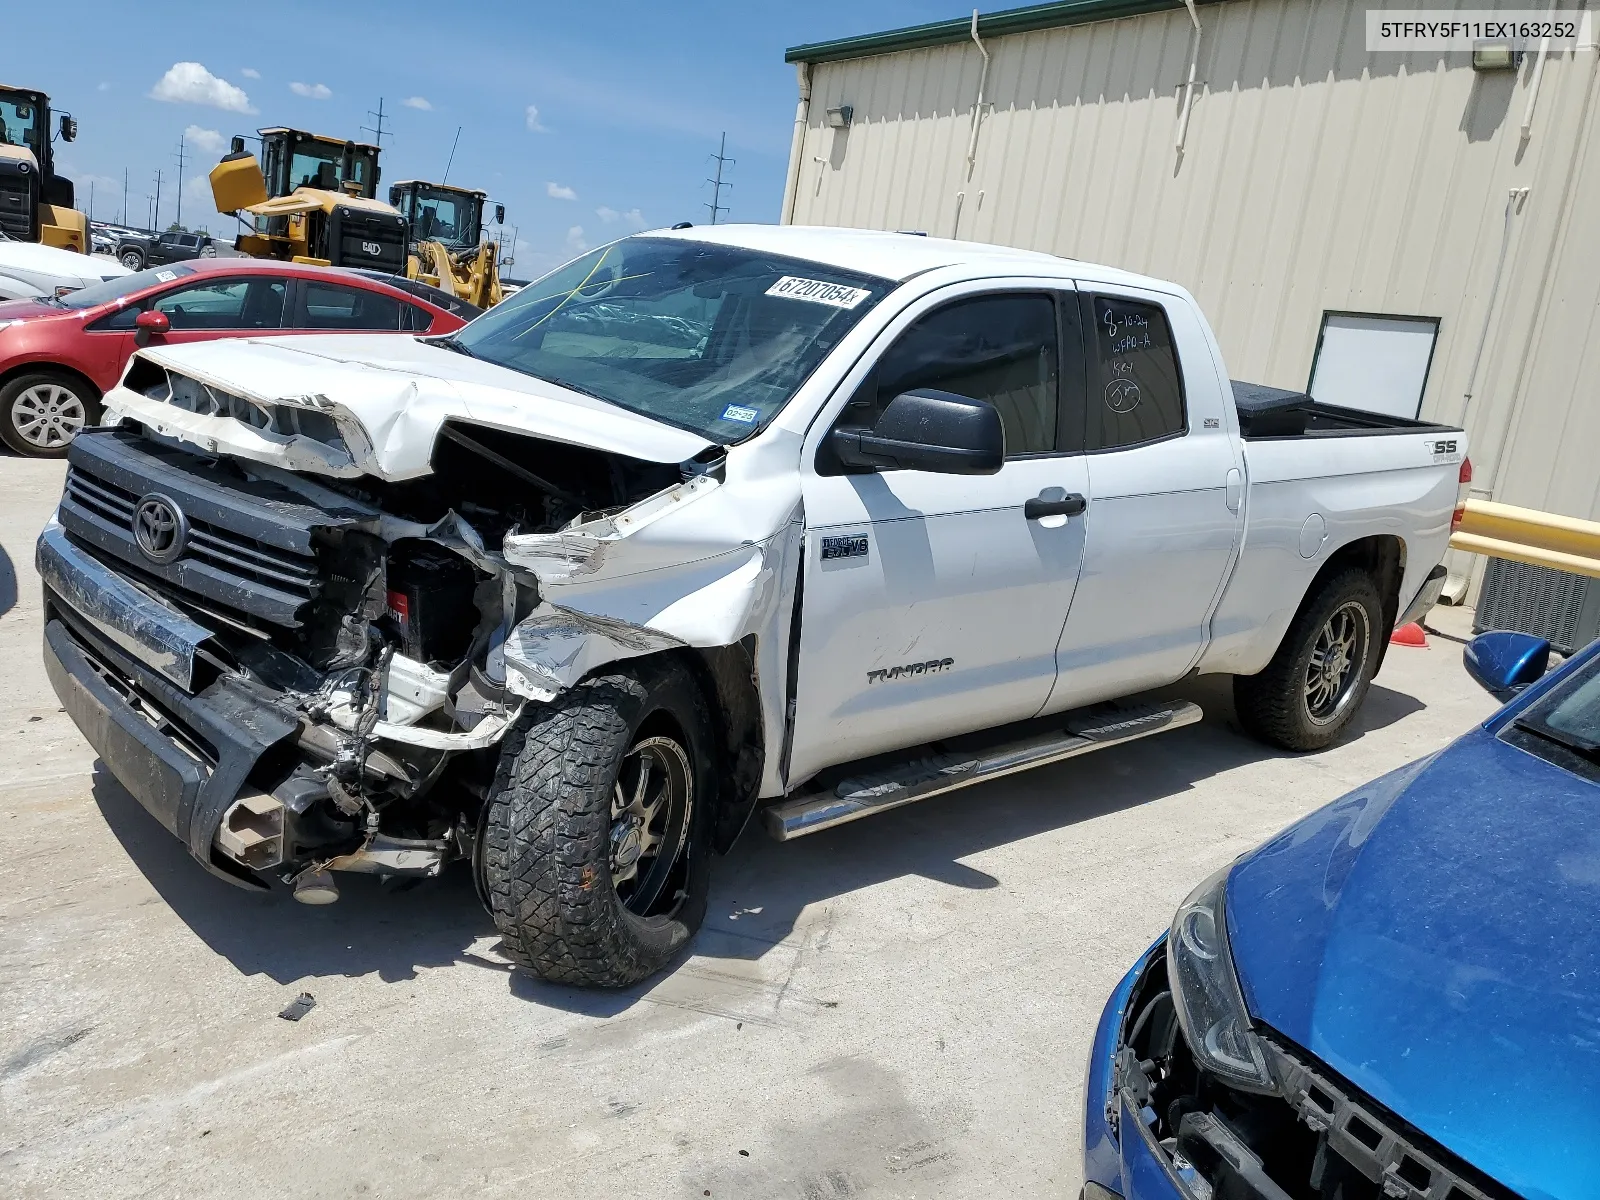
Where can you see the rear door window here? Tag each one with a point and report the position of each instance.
(334, 306)
(1136, 383)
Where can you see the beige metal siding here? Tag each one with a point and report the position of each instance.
(1316, 176)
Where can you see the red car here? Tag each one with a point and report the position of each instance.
(59, 355)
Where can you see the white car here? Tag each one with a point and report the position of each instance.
(816, 521)
(29, 269)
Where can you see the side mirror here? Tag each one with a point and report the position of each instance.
(69, 128)
(927, 430)
(499, 214)
(1504, 663)
(147, 324)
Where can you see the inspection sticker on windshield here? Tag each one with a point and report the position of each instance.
(166, 276)
(835, 295)
(741, 414)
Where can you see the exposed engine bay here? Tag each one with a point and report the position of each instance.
(399, 627)
(1314, 1137)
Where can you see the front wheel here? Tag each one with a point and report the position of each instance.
(595, 850)
(132, 259)
(1315, 683)
(42, 411)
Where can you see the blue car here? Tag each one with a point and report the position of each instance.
(1398, 996)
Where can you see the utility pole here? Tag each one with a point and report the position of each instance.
(155, 216)
(451, 163)
(180, 178)
(717, 184)
(91, 201)
(124, 218)
(376, 129)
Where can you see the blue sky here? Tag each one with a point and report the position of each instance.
(583, 119)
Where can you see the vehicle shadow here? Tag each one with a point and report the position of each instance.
(759, 891)
(8, 583)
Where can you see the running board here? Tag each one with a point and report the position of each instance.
(863, 795)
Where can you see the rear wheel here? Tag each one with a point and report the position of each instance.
(1315, 683)
(595, 854)
(42, 411)
(131, 259)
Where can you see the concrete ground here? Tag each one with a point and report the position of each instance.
(899, 1007)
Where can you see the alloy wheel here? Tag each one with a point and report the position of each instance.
(48, 415)
(1337, 657)
(651, 806)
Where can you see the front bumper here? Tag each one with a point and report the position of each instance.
(1118, 1154)
(112, 659)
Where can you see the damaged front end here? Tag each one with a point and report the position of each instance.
(1201, 1103)
(300, 667)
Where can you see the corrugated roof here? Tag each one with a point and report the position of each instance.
(959, 29)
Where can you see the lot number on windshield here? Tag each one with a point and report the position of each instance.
(835, 295)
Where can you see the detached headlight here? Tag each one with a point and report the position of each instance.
(1205, 991)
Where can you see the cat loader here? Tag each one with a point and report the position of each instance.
(36, 204)
(310, 198)
(446, 244)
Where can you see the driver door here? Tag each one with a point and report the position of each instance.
(932, 603)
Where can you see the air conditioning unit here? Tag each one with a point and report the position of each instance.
(1557, 605)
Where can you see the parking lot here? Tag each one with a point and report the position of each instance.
(898, 1007)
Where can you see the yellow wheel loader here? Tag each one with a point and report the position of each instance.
(447, 247)
(310, 199)
(36, 204)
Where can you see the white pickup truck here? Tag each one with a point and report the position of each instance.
(811, 521)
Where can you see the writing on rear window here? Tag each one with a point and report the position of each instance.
(835, 295)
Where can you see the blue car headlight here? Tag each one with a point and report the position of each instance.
(1205, 991)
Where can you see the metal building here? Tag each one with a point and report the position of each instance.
(1414, 232)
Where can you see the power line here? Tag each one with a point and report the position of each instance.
(376, 129)
(180, 157)
(717, 184)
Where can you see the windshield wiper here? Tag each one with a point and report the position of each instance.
(1574, 742)
(447, 343)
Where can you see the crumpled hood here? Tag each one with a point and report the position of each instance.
(1435, 939)
(399, 390)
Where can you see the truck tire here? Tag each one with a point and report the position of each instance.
(42, 411)
(131, 258)
(1317, 680)
(595, 854)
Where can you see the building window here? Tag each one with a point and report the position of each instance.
(1373, 361)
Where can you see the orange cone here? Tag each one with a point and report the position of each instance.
(1409, 635)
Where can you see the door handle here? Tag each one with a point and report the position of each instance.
(1070, 505)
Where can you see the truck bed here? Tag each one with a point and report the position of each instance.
(1266, 413)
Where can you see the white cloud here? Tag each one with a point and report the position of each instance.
(104, 87)
(250, 73)
(533, 120)
(208, 140)
(606, 214)
(191, 83)
(559, 191)
(634, 218)
(417, 102)
(575, 238)
(311, 91)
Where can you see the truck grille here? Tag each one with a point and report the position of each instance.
(247, 549)
(229, 552)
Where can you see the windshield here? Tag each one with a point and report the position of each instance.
(123, 285)
(1569, 715)
(445, 217)
(20, 122)
(714, 339)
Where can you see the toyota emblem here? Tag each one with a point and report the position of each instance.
(160, 528)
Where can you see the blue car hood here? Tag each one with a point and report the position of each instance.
(1435, 939)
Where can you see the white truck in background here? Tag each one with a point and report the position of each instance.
(807, 521)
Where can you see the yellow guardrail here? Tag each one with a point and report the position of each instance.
(1527, 535)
